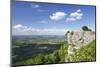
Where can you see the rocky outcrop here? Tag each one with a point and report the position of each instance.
(77, 39)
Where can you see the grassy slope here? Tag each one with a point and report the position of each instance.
(86, 53)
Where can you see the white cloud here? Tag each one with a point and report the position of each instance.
(58, 16)
(78, 10)
(21, 28)
(75, 16)
(35, 5)
(70, 19)
(43, 22)
(17, 26)
(25, 30)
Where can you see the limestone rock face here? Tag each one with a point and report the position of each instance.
(77, 39)
(80, 38)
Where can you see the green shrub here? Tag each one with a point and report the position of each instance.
(58, 56)
(86, 53)
(85, 28)
(72, 33)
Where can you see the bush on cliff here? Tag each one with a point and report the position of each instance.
(86, 53)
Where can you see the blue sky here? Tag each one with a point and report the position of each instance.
(30, 18)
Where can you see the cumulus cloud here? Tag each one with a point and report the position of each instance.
(25, 30)
(35, 5)
(21, 28)
(17, 26)
(78, 10)
(75, 16)
(58, 16)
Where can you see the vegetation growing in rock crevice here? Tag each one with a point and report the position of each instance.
(86, 53)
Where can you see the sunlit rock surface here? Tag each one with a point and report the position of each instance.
(77, 39)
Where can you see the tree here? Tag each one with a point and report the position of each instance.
(39, 59)
(85, 28)
(72, 33)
